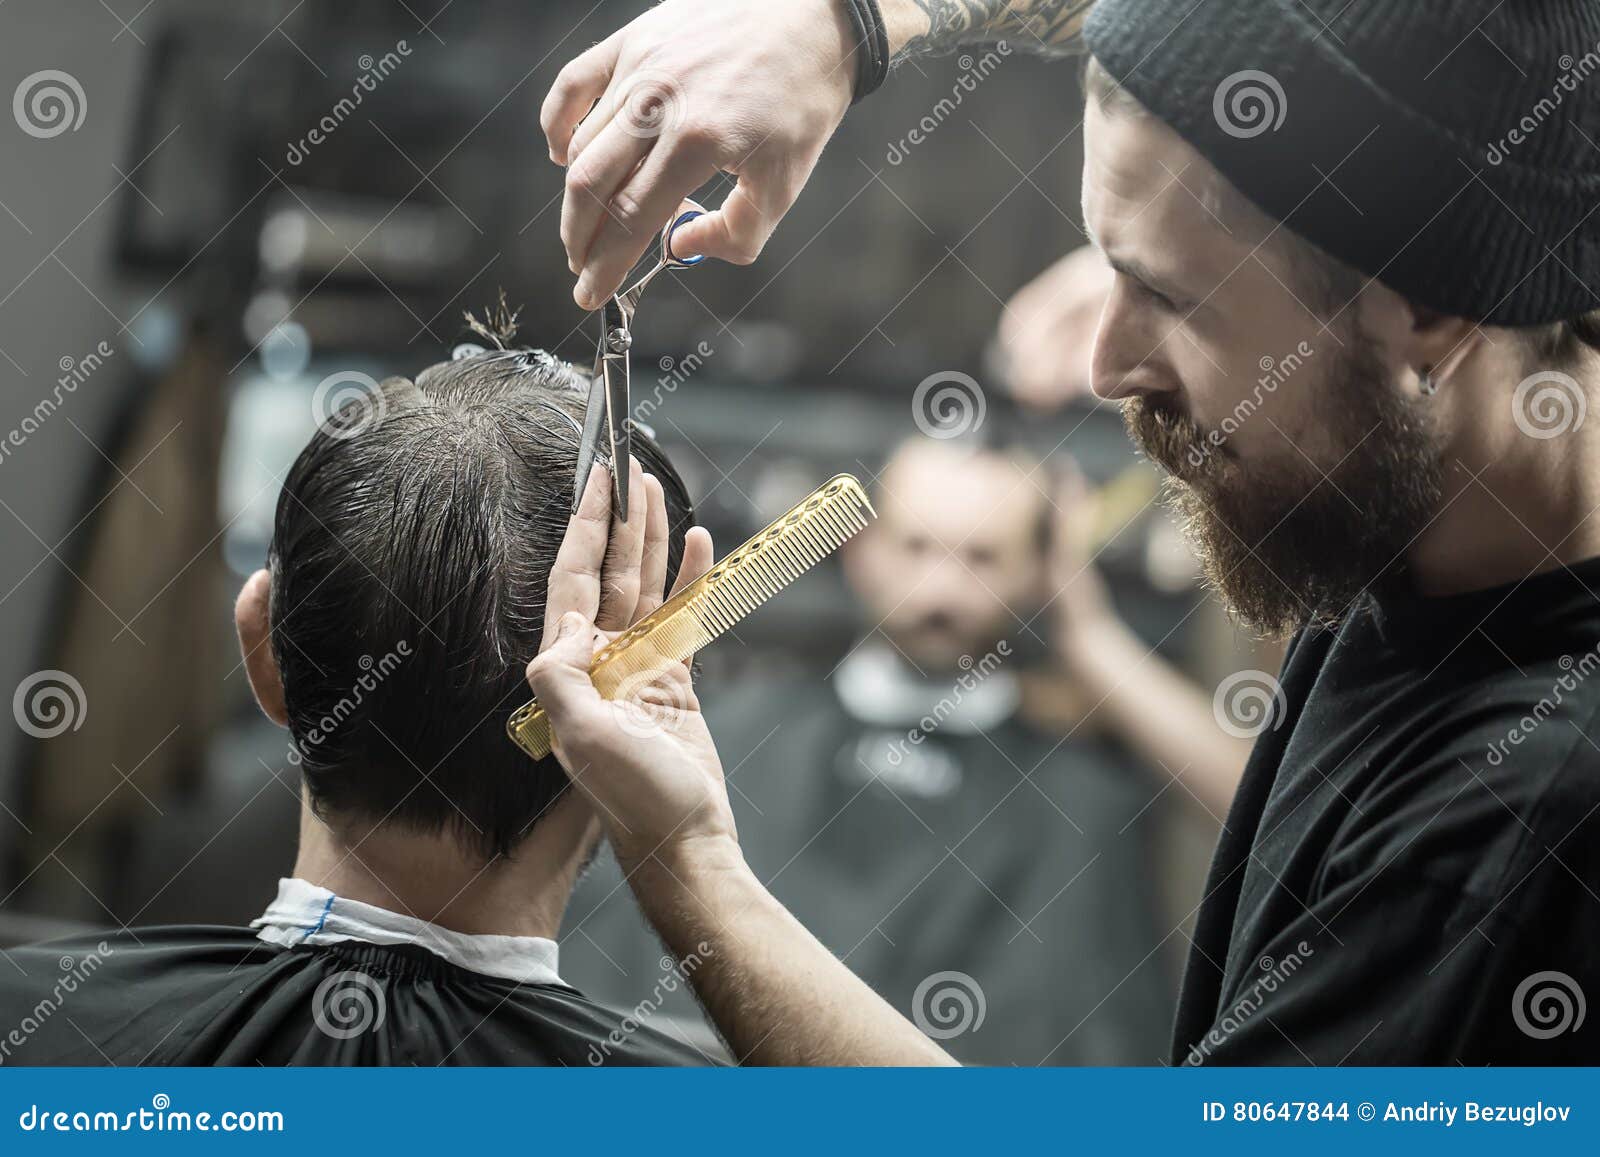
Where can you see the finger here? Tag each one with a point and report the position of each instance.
(646, 201)
(1022, 313)
(574, 583)
(559, 676)
(619, 586)
(739, 229)
(671, 687)
(653, 572)
(698, 556)
(593, 180)
(594, 122)
(1075, 517)
(577, 87)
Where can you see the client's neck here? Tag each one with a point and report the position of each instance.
(432, 878)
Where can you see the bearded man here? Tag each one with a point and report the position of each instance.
(1354, 315)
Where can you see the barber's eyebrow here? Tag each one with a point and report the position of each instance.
(1137, 271)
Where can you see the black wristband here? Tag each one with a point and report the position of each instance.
(872, 46)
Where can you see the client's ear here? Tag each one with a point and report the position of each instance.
(250, 616)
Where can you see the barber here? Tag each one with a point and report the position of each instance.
(1411, 868)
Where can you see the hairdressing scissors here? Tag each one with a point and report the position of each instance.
(609, 402)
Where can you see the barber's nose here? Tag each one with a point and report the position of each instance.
(1126, 353)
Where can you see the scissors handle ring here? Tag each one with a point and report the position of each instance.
(672, 258)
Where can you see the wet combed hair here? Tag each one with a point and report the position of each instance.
(410, 551)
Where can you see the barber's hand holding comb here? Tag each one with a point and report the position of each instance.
(645, 761)
(648, 764)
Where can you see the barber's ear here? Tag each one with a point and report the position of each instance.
(1438, 341)
(250, 616)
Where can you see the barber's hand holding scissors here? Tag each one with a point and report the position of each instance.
(689, 89)
(647, 763)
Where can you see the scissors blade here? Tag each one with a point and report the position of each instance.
(594, 416)
(618, 410)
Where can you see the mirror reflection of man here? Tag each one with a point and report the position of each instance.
(916, 814)
(1417, 833)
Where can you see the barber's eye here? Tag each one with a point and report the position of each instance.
(1156, 298)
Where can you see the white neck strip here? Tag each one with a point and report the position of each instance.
(304, 914)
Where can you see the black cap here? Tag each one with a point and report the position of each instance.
(1450, 150)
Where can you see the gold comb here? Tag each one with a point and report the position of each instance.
(733, 588)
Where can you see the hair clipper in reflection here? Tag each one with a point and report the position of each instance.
(718, 599)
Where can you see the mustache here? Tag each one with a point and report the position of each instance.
(1169, 436)
(941, 621)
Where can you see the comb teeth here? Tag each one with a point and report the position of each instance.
(817, 526)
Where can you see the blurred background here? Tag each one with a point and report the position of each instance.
(210, 211)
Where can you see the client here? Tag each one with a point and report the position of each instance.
(415, 540)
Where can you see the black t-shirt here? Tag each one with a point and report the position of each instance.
(219, 996)
(1411, 869)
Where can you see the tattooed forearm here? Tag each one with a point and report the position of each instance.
(1050, 27)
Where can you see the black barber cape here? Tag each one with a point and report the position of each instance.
(998, 888)
(219, 996)
(1411, 869)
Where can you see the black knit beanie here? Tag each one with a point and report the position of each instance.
(1449, 148)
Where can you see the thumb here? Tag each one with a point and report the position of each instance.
(559, 676)
(735, 232)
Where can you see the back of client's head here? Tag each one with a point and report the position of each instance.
(410, 552)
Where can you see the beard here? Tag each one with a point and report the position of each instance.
(1284, 543)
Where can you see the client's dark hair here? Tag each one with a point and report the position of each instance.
(410, 551)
